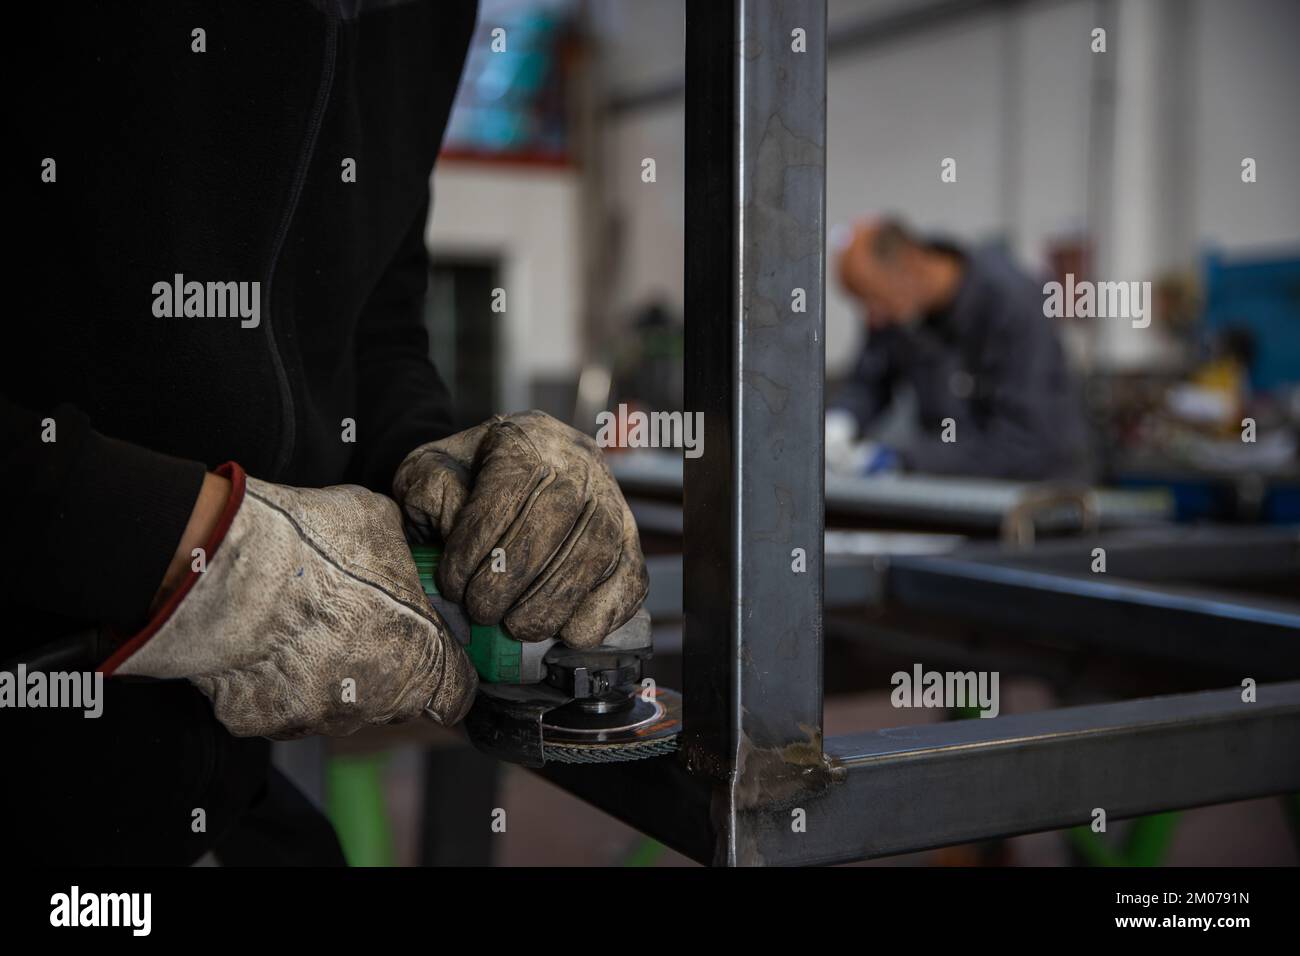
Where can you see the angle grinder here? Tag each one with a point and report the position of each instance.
(541, 702)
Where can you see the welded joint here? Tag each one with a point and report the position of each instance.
(768, 787)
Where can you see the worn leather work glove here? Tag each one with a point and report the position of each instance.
(309, 619)
(540, 491)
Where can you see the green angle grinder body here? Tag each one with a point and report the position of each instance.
(541, 702)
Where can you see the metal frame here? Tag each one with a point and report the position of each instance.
(753, 753)
(1134, 608)
(914, 788)
(1143, 607)
(983, 505)
(755, 154)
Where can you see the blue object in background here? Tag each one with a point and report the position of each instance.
(1263, 296)
(515, 102)
(884, 460)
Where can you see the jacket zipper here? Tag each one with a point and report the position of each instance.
(288, 415)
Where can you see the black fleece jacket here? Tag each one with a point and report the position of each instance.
(226, 165)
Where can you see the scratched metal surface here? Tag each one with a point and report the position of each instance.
(755, 231)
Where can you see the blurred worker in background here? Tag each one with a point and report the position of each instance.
(966, 331)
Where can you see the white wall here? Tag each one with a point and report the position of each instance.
(1198, 83)
(893, 114)
(1248, 96)
(1049, 159)
(651, 215)
(528, 218)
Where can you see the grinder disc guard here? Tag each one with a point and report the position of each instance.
(646, 729)
(543, 701)
(536, 724)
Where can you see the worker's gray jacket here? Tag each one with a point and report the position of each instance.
(993, 364)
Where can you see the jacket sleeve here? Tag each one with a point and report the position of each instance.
(1025, 431)
(94, 521)
(403, 401)
(868, 390)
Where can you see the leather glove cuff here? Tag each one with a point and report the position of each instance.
(309, 618)
(238, 482)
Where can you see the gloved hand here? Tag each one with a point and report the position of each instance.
(841, 439)
(309, 619)
(847, 456)
(873, 458)
(570, 561)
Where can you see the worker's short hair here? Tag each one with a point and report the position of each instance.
(891, 238)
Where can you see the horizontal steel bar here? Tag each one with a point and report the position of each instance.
(901, 790)
(919, 499)
(849, 582)
(1242, 635)
(935, 785)
(659, 797)
(1204, 554)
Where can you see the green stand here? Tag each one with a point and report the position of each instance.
(357, 808)
(355, 785)
(646, 852)
(1145, 844)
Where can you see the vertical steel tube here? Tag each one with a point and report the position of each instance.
(755, 366)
